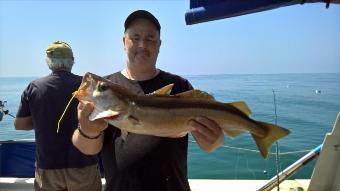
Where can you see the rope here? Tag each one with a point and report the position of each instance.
(277, 158)
(256, 151)
(62, 115)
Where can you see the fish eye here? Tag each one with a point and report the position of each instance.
(102, 86)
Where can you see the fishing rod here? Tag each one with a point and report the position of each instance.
(272, 183)
(290, 170)
(277, 148)
(3, 110)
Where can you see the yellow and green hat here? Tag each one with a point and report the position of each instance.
(59, 49)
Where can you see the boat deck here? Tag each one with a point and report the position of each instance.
(26, 184)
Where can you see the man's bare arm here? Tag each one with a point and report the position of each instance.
(23, 123)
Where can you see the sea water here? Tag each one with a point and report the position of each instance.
(306, 104)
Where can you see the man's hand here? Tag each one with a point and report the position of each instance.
(90, 128)
(207, 133)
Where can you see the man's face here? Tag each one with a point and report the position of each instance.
(141, 44)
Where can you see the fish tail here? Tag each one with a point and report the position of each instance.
(274, 133)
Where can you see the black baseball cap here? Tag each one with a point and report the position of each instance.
(142, 14)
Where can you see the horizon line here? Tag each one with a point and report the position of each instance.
(216, 74)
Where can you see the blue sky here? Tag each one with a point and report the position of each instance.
(295, 39)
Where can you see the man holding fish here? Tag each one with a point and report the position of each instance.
(138, 161)
(150, 113)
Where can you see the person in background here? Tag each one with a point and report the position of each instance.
(59, 165)
(135, 162)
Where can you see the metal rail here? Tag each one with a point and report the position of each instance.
(272, 183)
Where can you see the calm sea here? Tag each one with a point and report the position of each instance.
(307, 104)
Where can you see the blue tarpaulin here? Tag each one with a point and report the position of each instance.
(209, 10)
(17, 159)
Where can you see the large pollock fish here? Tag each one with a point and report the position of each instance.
(161, 114)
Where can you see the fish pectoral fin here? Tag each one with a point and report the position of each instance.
(197, 94)
(274, 133)
(97, 114)
(162, 91)
(242, 106)
(133, 120)
(233, 133)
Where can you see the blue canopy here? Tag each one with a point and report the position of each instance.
(209, 10)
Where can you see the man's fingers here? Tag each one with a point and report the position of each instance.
(206, 127)
(211, 124)
(199, 127)
(89, 127)
(200, 124)
(80, 106)
(202, 131)
(199, 136)
(100, 122)
(204, 142)
(208, 133)
(87, 109)
(207, 122)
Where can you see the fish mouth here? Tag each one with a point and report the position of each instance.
(112, 117)
(108, 115)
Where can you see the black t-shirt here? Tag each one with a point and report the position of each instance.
(45, 100)
(142, 162)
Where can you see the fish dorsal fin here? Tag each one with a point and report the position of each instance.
(162, 91)
(197, 94)
(242, 106)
